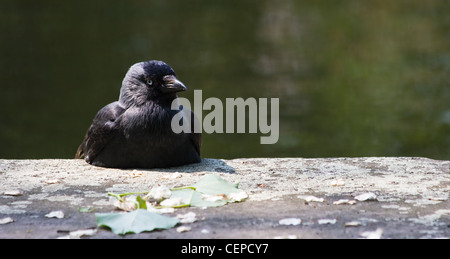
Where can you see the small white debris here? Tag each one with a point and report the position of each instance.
(159, 193)
(176, 175)
(6, 220)
(77, 234)
(172, 176)
(326, 221)
(13, 193)
(290, 221)
(372, 234)
(338, 182)
(212, 198)
(127, 203)
(442, 198)
(237, 196)
(204, 231)
(189, 217)
(344, 201)
(52, 181)
(160, 211)
(352, 224)
(311, 198)
(368, 196)
(135, 173)
(183, 229)
(55, 214)
(286, 237)
(172, 202)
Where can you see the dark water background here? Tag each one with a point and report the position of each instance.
(354, 78)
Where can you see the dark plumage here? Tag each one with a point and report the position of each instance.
(135, 132)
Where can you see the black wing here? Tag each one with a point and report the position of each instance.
(103, 128)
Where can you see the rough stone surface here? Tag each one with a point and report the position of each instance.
(412, 197)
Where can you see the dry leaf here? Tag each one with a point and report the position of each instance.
(352, 224)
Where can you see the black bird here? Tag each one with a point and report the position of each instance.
(135, 132)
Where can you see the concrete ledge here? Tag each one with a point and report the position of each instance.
(412, 197)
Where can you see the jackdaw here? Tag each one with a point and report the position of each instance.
(135, 132)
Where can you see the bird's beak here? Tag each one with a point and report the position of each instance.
(172, 84)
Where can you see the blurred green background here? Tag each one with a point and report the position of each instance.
(354, 78)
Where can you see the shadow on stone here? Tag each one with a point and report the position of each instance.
(206, 165)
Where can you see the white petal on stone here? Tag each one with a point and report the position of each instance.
(52, 181)
(311, 198)
(344, 201)
(171, 202)
(55, 214)
(286, 237)
(237, 196)
(290, 221)
(338, 182)
(82, 232)
(326, 221)
(189, 217)
(368, 196)
(183, 229)
(160, 192)
(372, 234)
(6, 220)
(13, 193)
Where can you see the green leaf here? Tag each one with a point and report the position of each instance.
(195, 198)
(215, 185)
(141, 203)
(135, 221)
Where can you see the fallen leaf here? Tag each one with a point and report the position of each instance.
(173, 202)
(352, 224)
(193, 198)
(134, 222)
(214, 184)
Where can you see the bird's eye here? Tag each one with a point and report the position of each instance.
(149, 81)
